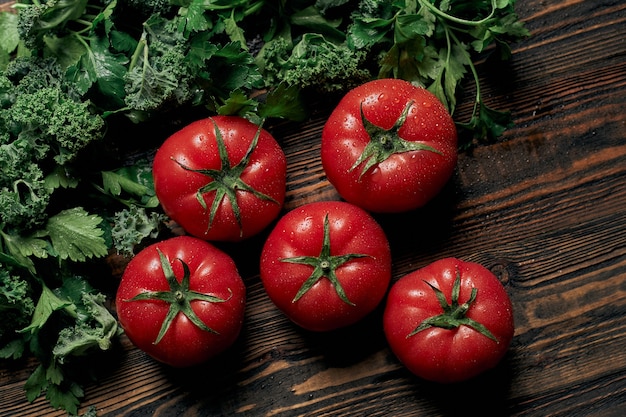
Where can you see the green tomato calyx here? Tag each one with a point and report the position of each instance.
(454, 314)
(324, 265)
(179, 297)
(226, 181)
(386, 142)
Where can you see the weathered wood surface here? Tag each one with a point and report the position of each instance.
(545, 210)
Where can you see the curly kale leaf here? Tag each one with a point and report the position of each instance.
(146, 8)
(30, 24)
(23, 202)
(96, 328)
(133, 225)
(158, 75)
(27, 75)
(314, 62)
(133, 186)
(44, 125)
(17, 307)
(41, 108)
(50, 119)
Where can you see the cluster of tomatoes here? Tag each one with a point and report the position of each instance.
(387, 147)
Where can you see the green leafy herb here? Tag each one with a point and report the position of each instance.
(131, 185)
(66, 324)
(75, 235)
(132, 225)
(435, 43)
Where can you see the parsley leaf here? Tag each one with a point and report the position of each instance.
(75, 235)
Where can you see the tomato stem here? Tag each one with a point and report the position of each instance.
(386, 142)
(324, 265)
(226, 181)
(454, 314)
(179, 297)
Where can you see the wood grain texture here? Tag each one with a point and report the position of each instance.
(545, 210)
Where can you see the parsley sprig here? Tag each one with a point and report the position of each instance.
(435, 44)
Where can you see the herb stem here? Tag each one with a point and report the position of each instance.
(434, 9)
(140, 50)
(254, 8)
(472, 68)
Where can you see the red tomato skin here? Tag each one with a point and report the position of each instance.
(438, 354)
(404, 181)
(212, 272)
(196, 147)
(300, 233)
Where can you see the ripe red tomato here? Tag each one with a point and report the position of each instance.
(181, 301)
(326, 265)
(389, 146)
(449, 321)
(221, 178)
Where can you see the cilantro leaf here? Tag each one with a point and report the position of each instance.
(283, 101)
(75, 235)
(193, 17)
(239, 103)
(77, 314)
(36, 383)
(23, 245)
(48, 303)
(434, 44)
(65, 396)
(13, 350)
(486, 124)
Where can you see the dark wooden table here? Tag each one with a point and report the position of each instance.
(545, 210)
